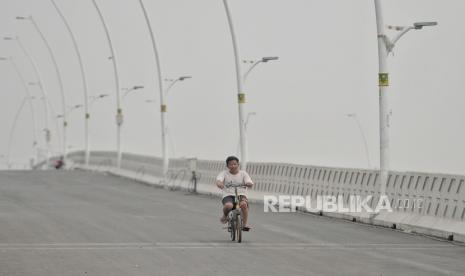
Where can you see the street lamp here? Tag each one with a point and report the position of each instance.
(354, 116)
(84, 82)
(403, 30)
(249, 115)
(70, 110)
(255, 63)
(161, 91)
(41, 88)
(119, 111)
(163, 108)
(385, 46)
(27, 97)
(240, 92)
(68, 114)
(128, 90)
(57, 71)
(13, 127)
(172, 82)
(93, 99)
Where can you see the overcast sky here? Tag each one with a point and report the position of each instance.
(327, 68)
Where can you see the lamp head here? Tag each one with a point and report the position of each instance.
(420, 25)
(184, 77)
(266, 59)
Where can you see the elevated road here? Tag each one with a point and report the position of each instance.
(80, 223)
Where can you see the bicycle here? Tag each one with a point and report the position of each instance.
(235, 222)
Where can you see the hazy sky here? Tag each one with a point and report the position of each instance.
(327, 68)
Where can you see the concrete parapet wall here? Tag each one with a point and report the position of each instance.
(432, 204)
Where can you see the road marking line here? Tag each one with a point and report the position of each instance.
(216, 245)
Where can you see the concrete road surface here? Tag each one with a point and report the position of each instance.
(80, 223)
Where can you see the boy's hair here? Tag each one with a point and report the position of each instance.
(231, 158)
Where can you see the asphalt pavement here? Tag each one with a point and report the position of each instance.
(82, 223)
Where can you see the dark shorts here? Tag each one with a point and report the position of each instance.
(231, 199)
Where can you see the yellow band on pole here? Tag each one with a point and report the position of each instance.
(383, 79)
(163, 108)
(241, 98)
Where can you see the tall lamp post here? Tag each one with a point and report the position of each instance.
(57, 71)
(244, 79)
(28, 98)
(119, 111)
(91, 103)
(250, 114)
(42, 90)
(246, 124)
(172, 82)
(67, 115)
(367, 154)
(163, 108)
(240, 92)
(84, 83)
(385, 46)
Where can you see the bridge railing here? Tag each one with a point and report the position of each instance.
(429, 200)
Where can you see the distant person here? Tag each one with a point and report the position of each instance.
(59, 163)
(233, 175)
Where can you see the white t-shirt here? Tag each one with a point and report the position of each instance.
(227, 178)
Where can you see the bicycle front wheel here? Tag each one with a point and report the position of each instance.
(238, 231)
(232, 229)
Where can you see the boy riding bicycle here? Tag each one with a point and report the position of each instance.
(233, 176)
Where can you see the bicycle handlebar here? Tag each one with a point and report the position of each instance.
(232, 185)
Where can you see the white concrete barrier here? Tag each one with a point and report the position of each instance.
(432, 204)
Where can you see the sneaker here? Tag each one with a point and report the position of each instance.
(246, 228)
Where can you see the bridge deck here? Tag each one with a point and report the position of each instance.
(79, 223)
